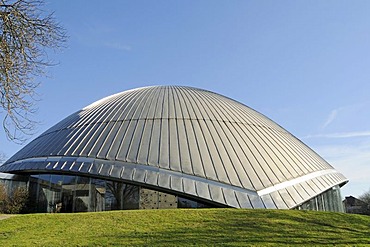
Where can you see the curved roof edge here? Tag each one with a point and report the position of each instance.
(279, 196)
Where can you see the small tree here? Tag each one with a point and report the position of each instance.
(15, 202)
(26, 33)
(365, 197)
(3, 198)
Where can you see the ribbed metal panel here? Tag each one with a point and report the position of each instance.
(186, 140)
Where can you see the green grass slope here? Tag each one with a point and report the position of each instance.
(200, 227)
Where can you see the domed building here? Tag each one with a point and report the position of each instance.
(172, 147)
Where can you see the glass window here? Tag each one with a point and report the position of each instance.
(64, 193)
(121, 196)
(66, 203)
(81, 194)
(187, 203)
(330, 200)
(97, 195)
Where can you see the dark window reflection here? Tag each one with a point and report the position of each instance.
(66, 194)
(187, 203)
(121, 196)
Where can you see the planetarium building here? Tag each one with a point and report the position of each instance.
(171, 147)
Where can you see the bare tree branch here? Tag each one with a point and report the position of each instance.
(2, 158)
(26, 33)
(365, 197)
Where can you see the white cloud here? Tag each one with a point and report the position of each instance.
(118, 46)
(100, 35)
(344, 114)
(99, 28)
(333, 114)
(353, 161)
(341, 135)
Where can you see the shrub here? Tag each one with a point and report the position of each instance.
(17, 201)
(13, 203)
(3, 198)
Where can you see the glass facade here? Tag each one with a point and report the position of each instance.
(11, 182)
(64, 193)
(54, 193)
(330, 200)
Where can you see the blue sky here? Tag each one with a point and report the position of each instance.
(304, 64)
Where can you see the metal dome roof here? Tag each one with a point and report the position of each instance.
(186, 140)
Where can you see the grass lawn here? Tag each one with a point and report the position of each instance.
(199, 227)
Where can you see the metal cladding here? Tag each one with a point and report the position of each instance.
(185, 141)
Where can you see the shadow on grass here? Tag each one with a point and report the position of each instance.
(262, 228)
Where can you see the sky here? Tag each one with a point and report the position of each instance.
(304, 64)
